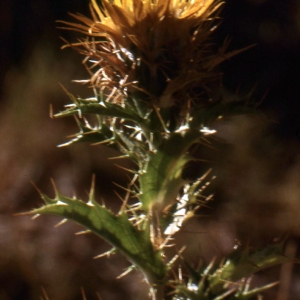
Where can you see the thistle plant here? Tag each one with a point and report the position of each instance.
(156, 93)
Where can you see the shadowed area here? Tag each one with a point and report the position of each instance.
(256, 159)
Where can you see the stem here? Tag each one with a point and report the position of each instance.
(156, 286)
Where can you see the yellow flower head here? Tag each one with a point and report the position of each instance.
(157, 50)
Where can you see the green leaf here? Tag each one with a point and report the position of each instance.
(115, 229)
(230, 279)
(243, 265)
(100, 134)
(161, 179)
(134, 148)
(108, 109)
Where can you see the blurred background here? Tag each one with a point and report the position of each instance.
(256, 159)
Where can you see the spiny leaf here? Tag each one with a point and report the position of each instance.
(109, 109)
(115, 229)
(230, 279)
(161, 179)
(245, 295)
(243, 265)
(100, 134)
(135, 149)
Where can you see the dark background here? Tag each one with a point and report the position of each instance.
(256, 159)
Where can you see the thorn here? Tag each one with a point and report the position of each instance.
(63, 221)
(38, 190)
(123, 188)
(133, 180)
(98, 295)
(205, 174)
(119, 157)
(134, 207)
(206, 271)
(83, 294)
(102, 142)
(180, 274)
(129, 269)
(126, 169)
(107, 253)
(44, 294)
(55, 188)
(51, 110)
(103, 203)
(23, 214)
(83, 232)
(78, 124)
(35, 216)
(165, 242)
(229, 292)
(208, 144)
(92, 190)
(124, 201)
(176, 256)
(64, 89)
(160, 119)
(64, 144)
(247, 284)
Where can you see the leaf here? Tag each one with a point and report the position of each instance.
(134, 148)
(109, 109)
(115, 229)
(161, 180)
(243, 265)
(231, 278)
(102, 134)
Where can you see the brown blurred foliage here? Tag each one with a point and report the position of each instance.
(255, 158)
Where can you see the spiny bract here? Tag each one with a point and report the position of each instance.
(157, 51)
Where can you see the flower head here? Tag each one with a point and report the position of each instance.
(159, 51)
